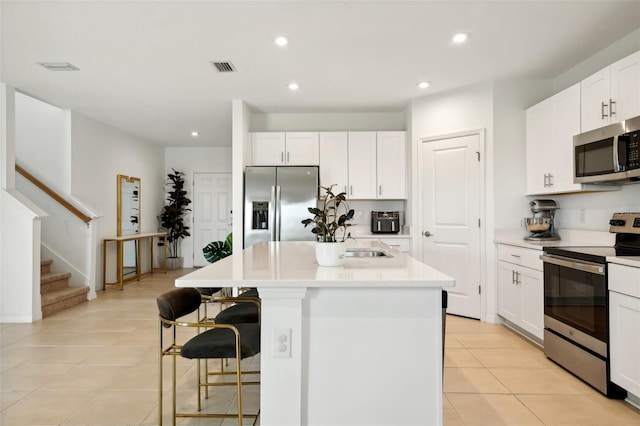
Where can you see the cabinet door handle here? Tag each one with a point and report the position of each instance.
(546, 180)
(350, 189)
(611, 104)
(518, 278)
(513, 276)
(550, 180)
(379, 189)
(282, 157)
(287, 157)
(602, 107)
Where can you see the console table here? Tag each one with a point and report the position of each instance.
(120, 256)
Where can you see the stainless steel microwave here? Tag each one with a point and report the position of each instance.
(608, 154)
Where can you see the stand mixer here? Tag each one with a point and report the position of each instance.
(541, 224)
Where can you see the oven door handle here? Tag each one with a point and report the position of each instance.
(593, 268)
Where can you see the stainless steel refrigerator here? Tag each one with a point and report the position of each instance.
(276, 201)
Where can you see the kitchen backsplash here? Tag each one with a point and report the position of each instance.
(592, 211)
(363, 209)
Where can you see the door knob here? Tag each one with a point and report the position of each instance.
(427, 234)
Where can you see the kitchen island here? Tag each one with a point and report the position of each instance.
(359, 344)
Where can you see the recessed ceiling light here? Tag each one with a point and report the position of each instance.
(195, 133)
(460, 37)
(281, 41)
(423, 85)
(59, 66)
(293, 86)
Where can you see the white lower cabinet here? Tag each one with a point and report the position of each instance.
(520, 288)
(624, 327)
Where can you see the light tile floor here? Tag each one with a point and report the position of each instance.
(96, 364)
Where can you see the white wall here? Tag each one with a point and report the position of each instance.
(462, 110)
(327, 122)
(43, 146)
(241, 145)
(19, 230)
(99, 153)
(618, 50)
(190, 161)
(510, 100)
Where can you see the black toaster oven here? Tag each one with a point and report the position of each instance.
(385, 222)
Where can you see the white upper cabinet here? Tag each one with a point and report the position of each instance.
(334, 164)
(285, 149)
(362, 165)
(391, 165)
(551, 125)
(612, 94)
(302, 149)
(267, 148)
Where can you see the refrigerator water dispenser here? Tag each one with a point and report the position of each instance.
(260, 215)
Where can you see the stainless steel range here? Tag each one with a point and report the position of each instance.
(576, 314)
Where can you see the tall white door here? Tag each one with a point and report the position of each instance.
(211, 211)
(449, 191)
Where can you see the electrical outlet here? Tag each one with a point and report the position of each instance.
(281, 343)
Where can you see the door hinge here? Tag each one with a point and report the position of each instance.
(478, 154)
(479, 289)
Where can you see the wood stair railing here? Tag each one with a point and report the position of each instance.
(50, 192)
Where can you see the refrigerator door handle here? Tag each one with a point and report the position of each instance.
(278, 213)
(272, 215)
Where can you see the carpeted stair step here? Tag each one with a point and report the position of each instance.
(45, 266)
(54, 281)
(60, 300)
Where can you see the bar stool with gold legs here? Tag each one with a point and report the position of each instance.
(243, 309)
(219, 341)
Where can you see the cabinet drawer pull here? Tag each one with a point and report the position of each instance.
(516, 256)
(602, 107)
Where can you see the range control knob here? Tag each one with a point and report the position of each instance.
(616, 222)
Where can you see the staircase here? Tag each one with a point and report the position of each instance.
(56, 294)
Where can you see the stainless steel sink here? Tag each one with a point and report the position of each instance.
(366, 252)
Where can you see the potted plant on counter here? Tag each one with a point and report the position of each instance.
(172, 218)
(330, 222)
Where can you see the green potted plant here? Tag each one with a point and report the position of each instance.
(330, 222)
(172, 218)
(217, 250)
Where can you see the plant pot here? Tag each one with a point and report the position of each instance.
(330, 254)
(174, 263)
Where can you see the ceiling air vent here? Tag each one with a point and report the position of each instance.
(59, 66)
(223, 66)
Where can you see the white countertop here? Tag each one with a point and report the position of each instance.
(633, 261)
(293, 264)
(569, 238)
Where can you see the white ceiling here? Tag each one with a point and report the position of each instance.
(144, 66)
